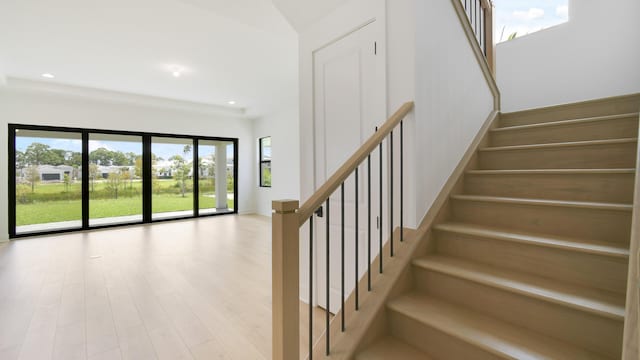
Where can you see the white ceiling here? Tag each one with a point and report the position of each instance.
(302, 13)
(242, 50)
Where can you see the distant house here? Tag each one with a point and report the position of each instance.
(106, 170)
(54, 173)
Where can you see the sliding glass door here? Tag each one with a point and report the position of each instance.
(64, 179)
(216, 176)
(172, 177)
(115, 179)
(48, 180)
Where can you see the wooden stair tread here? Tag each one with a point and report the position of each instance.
(551, 171)
(565, 122)
(598, 248)
(599, 302)
(546, 202)
(558, 145)
(492, 335)
(391, 348)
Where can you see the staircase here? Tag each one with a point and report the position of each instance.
(531, 259)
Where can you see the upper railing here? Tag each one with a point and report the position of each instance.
(288, 218)
(480, 16)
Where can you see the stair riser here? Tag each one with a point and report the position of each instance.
(435, 343)
(604, 107)
(593, 332)
(586, 223)
(602, 272)
(593, 130)
(614, 188)
(601, 156)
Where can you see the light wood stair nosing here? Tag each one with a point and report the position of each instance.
(534, 239)
(490, 342)
(558, 145)
(565, 122)
(551, 171)
(521, 287)
(546, 202)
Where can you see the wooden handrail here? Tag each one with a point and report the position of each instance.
(332, 184)
(483, 60)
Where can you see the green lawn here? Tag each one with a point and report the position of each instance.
(66, 206)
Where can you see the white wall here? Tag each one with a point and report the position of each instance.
(453, 98)
(54, 108)
(285, 153)
(596, 54)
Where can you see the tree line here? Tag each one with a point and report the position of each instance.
(42, 154)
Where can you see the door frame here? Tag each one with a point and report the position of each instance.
(381, 78)
(343, 20)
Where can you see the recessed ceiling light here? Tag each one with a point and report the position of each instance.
(176, 70)
(48, 76)
(231, 102)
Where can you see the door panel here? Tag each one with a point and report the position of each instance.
(349, 98)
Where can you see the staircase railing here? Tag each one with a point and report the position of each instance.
(288, 218)
(480, 16)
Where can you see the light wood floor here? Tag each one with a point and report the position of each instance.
(196, 289)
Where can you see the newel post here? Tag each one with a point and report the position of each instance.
(285, 280)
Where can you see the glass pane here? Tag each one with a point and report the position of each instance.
(48, 181)
(115, 179)
(172, 182)
(265, 148)
(265, 173)
(215, 170)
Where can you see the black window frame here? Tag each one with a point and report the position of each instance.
(147, 178)
(262, 162)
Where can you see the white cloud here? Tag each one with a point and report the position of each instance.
(96, 144)
(563, 11)
(531, 14)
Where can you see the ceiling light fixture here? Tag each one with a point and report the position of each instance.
(48, 76)
(232, 102)
(176, 70)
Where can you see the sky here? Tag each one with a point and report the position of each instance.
(527, 16)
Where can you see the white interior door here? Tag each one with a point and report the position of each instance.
(349, 102)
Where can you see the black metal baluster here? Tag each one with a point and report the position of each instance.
(356, 241)
(476, 16)
(327, 285)
(391, 190)
(369, 222)
(380, 222)
(311, 288)
(401, 181)
(471, 12)
(483, 35)
(342, 254)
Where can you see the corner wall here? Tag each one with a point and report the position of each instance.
(453, 98)
(57, 109)
(595, 55)
(285, 164)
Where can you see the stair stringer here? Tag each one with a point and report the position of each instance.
(631, 336)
